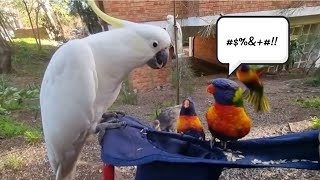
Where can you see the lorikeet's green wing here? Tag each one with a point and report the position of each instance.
(259, 68)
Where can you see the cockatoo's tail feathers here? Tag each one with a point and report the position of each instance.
(118, 23)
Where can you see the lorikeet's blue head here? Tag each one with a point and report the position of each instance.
(188, 108)
(226, 92)
(244, 68)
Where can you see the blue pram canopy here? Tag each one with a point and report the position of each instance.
(163, 155)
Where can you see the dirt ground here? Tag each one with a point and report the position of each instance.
(280, 92)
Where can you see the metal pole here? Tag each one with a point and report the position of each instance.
(108, 172)
(176, 52)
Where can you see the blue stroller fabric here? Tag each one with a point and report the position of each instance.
(164, 155)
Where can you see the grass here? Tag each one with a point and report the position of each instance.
(28, 60)
(309, 102)
(12, 99)
(9, 127)
(127, 95)
(113, 107)
(13, 162)
(315, 121)
(33, 136)
(159, 106)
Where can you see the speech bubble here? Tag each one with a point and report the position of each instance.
(252, 40)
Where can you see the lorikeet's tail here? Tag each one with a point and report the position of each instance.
(257, 99)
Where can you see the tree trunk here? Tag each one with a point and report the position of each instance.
(29, 16)
(61, 31)
(6, 47)
(47, 9)
(5, 59)
(37, 24)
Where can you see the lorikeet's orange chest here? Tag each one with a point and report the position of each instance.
(187, 122)
(228, 122)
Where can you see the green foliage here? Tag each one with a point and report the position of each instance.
(309, 102)
(315, 122)
(33, 136)
(315, 79)
(186, 77)
(13, 162)
(11, 98)
(313, 82)
(307, 45)
(295, 50)
(126, 95)
(160, 106)
(23, 15)
(60, 7)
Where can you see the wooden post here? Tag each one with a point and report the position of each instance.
(176, 50)
(190, 46)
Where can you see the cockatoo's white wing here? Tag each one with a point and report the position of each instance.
(68, 108)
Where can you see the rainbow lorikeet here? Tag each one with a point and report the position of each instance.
(188, 122)
(227, 118)
(249, 75)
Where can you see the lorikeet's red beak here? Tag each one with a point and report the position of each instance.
(210, 89)
(186, 104)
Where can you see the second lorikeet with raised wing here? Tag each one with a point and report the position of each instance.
(249, 75)
(227, 118)
(188, 121)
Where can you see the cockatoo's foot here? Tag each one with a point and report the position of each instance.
(109, 115)
(109, 121)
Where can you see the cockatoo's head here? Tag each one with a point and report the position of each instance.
(153, 40)
(226, 92)
(156, 41)
(170, 19)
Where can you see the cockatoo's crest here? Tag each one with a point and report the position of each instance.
(111, 20)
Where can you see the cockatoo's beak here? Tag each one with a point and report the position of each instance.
(159, 60)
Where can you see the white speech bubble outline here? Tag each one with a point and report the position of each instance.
(234, 64)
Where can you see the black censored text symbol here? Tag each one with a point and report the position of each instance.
(242, 41)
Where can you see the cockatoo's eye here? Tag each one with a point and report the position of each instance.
(155, 44)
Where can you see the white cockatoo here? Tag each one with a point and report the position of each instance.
(170, 30)
(84, 78)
